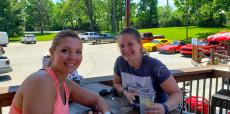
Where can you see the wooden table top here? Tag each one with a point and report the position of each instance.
(118, 105)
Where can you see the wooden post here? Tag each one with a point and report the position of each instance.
(228, 48)
(195, 53)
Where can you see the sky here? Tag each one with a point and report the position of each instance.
(162, 2)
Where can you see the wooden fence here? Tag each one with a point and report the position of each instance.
(199, 81)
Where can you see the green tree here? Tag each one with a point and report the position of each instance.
(70, 12)
(90, 13)
(204, 12)
(56, 19)
(169, 17)
(11, 17)
(147, 14)
(120, 14)
(38, 14)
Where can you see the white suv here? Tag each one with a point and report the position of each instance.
(4, 63)
(28, 38)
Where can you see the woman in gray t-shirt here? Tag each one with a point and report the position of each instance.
(134, 70)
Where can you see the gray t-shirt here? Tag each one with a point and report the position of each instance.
(150, 75)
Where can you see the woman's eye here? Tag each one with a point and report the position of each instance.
(64, 50)
(130, 44)
(78, 52)
(121, 45)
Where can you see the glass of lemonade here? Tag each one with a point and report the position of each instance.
(146, 96)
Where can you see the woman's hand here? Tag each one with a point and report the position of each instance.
(130, 96)
(157, 108)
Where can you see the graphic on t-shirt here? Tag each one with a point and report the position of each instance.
(132, 82)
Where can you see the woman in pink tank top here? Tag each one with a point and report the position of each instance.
(48, 91)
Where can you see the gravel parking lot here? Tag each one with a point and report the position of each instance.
(97, 61)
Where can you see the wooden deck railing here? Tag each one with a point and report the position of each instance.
(196, 81)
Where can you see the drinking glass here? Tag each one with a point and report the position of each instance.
(146, 96)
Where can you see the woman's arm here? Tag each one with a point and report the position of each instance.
(38, 95)
(117, 83)
(171, 88)
(87, 98)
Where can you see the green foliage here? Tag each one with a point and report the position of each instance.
(168, 17)
(11, 17)
(205, 13)
(147, 14)
(38, 14)
(120, 14)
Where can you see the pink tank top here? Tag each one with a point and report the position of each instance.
(59, 107)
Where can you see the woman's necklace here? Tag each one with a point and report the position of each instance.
(60, 84)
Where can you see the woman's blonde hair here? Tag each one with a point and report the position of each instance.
(63, 34)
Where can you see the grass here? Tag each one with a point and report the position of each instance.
(39, 37)
(179, 33)
(171, 33)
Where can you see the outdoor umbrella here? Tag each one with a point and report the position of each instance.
(222, 36)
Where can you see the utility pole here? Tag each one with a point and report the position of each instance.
(127, 13)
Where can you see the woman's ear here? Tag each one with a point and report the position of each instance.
(51, 50)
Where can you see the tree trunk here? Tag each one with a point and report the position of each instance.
(89, 9)
(71, 22)
(42, 29)
(113, 16)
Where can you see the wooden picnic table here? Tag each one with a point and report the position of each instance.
(92, 84)
(118, 104)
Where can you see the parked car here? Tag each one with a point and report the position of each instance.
(4, 41)
(148, 37)
(29, 38)
(186, 50)
(88, 36)
(4, 62)
(173, 47)
(106, 35)
(155, 44)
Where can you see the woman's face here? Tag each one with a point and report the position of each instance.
(67, 55)
(130, 49)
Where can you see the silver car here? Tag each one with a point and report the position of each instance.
(4, 62)
(29, 38)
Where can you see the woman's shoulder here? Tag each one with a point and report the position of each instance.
(38, 79)
(120, 59)
(149, 59)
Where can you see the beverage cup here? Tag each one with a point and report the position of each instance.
(146, 97)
